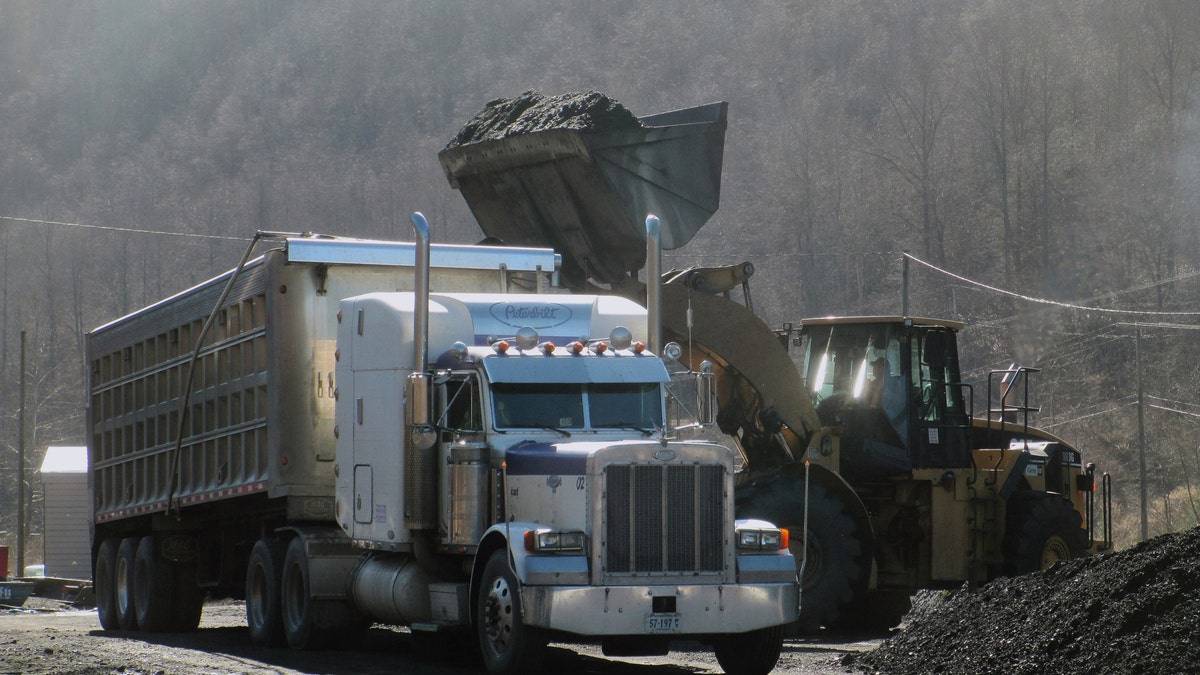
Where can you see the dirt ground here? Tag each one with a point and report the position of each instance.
(70, 642)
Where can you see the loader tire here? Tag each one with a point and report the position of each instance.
(264, 573)
(837, 551)
(753, 653)
(123, 591)
(1041, 530)
(106, 599)
(153, 588)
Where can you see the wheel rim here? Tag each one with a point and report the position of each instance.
(121, 585)
(1055, 550)
(499, 615)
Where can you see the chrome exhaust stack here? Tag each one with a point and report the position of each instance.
(420, 460)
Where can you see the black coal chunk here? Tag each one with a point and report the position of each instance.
(531, 112)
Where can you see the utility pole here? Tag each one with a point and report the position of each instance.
(1137, 352)
(21, 470)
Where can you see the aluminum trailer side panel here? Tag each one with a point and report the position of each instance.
(260, 417)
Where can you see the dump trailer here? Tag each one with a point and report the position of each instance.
(950, 485)
(344, 432)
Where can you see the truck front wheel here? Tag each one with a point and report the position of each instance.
(507, 644)
(753, 653)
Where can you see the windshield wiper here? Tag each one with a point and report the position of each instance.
(562, 432)
(630, 426)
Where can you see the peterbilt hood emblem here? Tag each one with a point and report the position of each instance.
(664, 454)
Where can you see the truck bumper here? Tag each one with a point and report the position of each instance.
(628, 610)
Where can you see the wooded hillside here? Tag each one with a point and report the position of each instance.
(1044, 152)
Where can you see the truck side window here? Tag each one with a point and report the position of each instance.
(463, 411)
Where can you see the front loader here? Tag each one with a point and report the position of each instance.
(915, 479)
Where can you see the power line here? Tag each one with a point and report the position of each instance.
(1056, 303)
(128, 230)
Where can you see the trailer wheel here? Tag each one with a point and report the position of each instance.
(1041, 529)
(506, 644)
(106, 564)
(835, 554)
(189, 598)
(753, 653)
(123, 584)
(153, 588)
(263, 574)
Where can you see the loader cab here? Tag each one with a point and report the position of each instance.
(893, 385)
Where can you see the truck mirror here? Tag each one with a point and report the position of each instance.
(705, 395)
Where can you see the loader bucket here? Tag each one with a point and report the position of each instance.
(587, 193)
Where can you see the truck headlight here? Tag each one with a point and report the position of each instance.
(555, 541)
(762, 539)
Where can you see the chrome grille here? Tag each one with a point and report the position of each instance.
(664, 518)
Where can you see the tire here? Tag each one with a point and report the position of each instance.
(876, 611)
(300, 613)
(153, 588)
(264, 572)
(190, 598)
(753, 653)
(1041, 529)
(505, 643)
(106, 601)
(123, 592)
(838, 554)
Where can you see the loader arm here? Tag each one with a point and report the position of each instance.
(761, 398)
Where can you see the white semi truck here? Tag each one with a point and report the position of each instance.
(345, 432)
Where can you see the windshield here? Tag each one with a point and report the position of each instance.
(577, 406)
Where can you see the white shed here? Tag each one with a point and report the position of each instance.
(67, 513)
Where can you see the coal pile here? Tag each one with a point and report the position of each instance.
(531, 111)
(1134, 611)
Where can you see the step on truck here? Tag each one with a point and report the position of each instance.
(344, 432)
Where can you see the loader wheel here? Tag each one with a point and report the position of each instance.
(506, 643)
(753, 653)
(834, 557)
(123, 584)
(1042, 529)
(263, 574)
(106, 565)
(153, 588)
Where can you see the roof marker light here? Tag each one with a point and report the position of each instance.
(576, 347)
(500, 346)
(548, 347)
(601, 347)
(639, 347)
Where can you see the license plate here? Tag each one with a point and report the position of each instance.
(662, 623)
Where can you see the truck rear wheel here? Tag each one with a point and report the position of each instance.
(295, 598)
(153, 588)
(106, 564)
(263, 574)
(834, 555)
(505, 642)
(1042, 529)
(753, 653)
(123, 584)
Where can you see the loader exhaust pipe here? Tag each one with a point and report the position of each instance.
(420, 460)
(654, 284)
